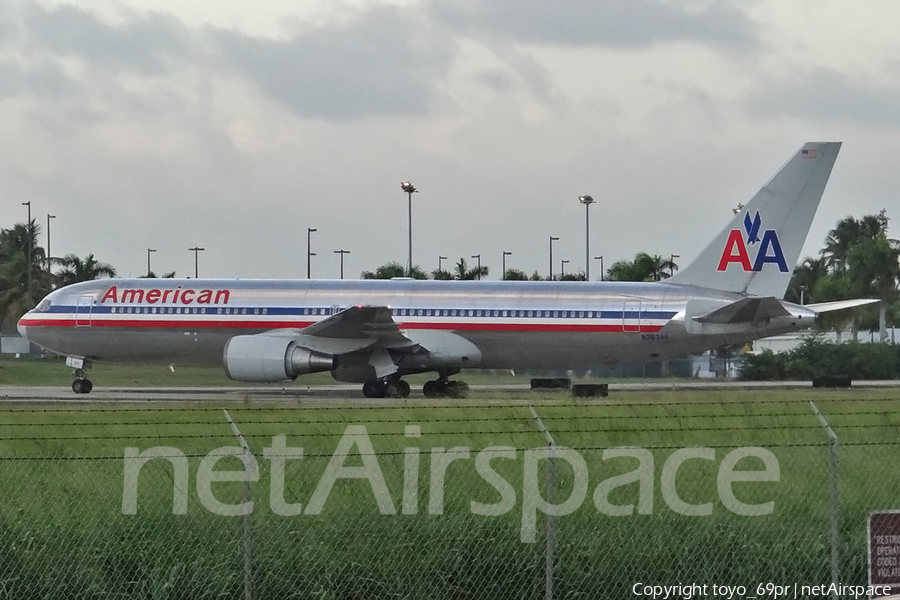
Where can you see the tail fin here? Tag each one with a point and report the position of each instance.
(756, 253)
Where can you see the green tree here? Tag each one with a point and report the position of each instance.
(76, 269)
(462, 271)
(805, 276)
(152, 275)
(874, 266)
(571, 277)
(15, 296)
(441, 275)
(515, 275)
(644, 267)
(392, 270)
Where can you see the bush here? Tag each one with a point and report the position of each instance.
(815, 358)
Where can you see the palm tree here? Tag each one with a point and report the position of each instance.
(515, 275)
(441, 275)
(15, 296)
(392, 270)
(75, 269)
(805, 277)
(644, 267)
(874, 266)
(840, 241)
(463, 272)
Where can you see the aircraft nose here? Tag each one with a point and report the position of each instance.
(22, 329)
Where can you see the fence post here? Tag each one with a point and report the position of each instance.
(550, 522)
(834, 500)
(248, 524)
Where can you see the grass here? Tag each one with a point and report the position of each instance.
(65, 535)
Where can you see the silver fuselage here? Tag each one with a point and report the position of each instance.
(516, 325)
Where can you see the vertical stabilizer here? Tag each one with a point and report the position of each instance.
(756, 253)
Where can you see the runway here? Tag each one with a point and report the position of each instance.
(352, 393)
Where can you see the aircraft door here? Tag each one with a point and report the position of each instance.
(631, 316)
(83, 311)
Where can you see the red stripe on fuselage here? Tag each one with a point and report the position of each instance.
(254, 324)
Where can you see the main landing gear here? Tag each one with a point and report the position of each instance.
(394, 387)
(82, 385)
(390, 387)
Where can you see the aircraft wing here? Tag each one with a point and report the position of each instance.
(351, 330)
(746, 310)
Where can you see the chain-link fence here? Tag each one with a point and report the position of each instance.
(493, 500)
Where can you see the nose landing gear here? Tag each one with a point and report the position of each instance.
(82, 385)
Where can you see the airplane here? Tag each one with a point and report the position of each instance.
(377, 332)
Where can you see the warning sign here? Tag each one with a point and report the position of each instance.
(884, 550)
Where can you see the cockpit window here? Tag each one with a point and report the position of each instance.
(44, 306)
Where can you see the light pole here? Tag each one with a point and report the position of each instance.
(587, 201)
(505, 254)
(410, 189)
(672, 267)
(149, 251)
(309, 252)
(49, 256)
(30, 244)
(196, 250)
(478, 272)
(342, 253)
(803, 289)
(562, 268)
(600, 258)
(441, 259)
(552, 239)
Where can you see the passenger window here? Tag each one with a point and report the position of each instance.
(503, 313)
(580, 314)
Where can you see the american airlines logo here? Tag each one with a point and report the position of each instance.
(768, 250)
(175, 295)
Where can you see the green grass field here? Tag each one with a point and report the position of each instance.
(65, 536)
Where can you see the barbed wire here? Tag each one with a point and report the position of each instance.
(781, 427)
(490, 449)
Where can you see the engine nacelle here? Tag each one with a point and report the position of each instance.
(270, 359)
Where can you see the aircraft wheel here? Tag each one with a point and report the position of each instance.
(392, 389)
(433, 389)
(372, 389)
(88, 386)
(404, 389)
(78, 386)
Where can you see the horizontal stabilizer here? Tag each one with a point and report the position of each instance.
(823, 307)
(747, 310)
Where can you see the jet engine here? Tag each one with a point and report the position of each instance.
(270, 359)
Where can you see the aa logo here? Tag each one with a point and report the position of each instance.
(737, 248)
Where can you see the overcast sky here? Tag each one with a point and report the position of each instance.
(235, 125)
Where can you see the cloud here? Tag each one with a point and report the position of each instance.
(382, 64)
(143, 44)
(45, 80)
(824, 95)
(609, 23)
